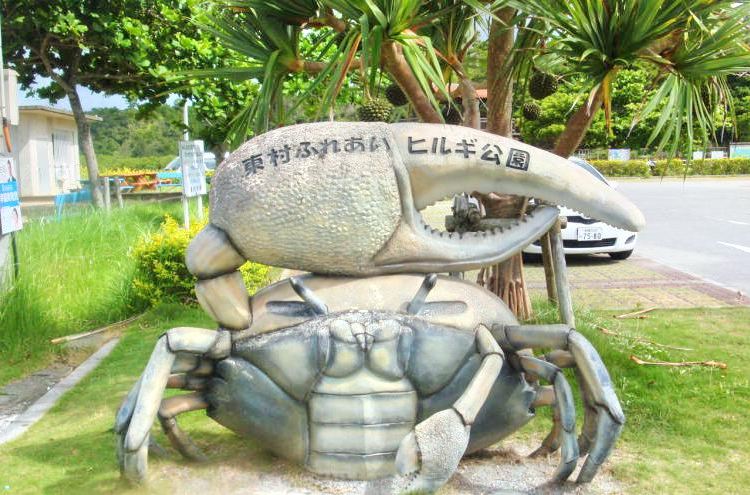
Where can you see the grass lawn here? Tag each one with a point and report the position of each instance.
(74, 276)
(687, 428)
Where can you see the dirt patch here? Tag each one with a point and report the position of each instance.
(504, 470)
(18, 395)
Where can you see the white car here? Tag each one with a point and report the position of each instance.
(209, 161)
(584, 235)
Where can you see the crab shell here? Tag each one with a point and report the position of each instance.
(344, 198)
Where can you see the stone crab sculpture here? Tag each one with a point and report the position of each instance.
(372, 365)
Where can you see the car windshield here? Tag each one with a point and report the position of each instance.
(588, 168)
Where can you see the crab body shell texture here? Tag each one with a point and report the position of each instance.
(339, 393)
(368, 367)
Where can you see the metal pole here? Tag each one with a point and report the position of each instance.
(564, 298)
(200, 207)
(2, 73)
(186, 137)
(6, 134)
(185, 211)
(186, 122)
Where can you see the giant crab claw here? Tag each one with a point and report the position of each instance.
(344, 197)
(442, 160)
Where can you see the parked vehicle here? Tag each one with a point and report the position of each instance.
(209, 160)
(584, 235)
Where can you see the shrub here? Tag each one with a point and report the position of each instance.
(161, 274)
(675, 166)
(109, 164)
(719, 166)
(621, 168)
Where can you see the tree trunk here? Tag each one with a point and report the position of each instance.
(396, 65)
(87, 145)
(578, 125)
(499, 78)
(504, 279)
(470, 104)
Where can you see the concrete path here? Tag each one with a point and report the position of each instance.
(23, 421)
(598, 282)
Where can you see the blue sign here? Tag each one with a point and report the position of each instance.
(10, 204)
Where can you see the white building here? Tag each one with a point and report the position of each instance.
(45, 148)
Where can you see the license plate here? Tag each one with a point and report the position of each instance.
(590, 233)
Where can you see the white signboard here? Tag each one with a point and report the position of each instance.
(10, 205)
(193, 169)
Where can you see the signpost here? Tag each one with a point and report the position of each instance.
(193, 176)
(10, 206)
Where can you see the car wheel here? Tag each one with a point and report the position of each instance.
(622, 255)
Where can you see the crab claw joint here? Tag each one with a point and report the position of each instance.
(344, 198)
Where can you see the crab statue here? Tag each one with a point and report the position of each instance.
(372, 365)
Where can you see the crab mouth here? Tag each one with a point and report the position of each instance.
(429, 170)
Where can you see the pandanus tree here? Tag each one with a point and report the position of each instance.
(422, 46)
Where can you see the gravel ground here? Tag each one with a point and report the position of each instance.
(503, 470)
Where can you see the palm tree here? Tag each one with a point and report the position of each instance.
(421, 45)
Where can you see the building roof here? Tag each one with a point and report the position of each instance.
(42, 109)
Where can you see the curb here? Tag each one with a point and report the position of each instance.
(38, 409)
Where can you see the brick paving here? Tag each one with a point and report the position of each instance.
(599, 282)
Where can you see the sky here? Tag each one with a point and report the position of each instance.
(89, 100)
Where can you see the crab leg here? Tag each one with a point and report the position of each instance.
(174, 406)
(134, 419)
(565, 414)
(565, 359)
(437, 444)
(604, 418)
(220, 289)
(546, 397)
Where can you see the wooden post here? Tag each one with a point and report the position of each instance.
(549, 268)
(565, 301)
(107, 199)
(118, 192)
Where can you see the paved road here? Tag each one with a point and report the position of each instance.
(701, 226)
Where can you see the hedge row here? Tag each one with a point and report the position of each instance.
(117, 163)
(640, 168)
(619, 168)
(110, 162)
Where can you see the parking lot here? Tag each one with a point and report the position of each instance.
(690, 255)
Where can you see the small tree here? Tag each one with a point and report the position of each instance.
(117, 47)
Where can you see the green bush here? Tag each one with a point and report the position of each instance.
(621, 168)
(110, 163)
(719, 166)
(161, 274)
(640, 168)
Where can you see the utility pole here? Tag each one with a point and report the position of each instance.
(185, 201)
(5, 114)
